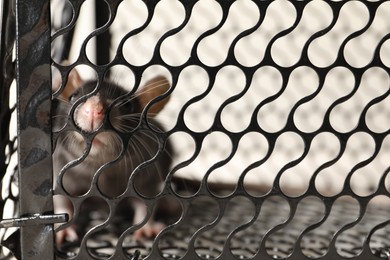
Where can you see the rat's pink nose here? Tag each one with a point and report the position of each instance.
(94, 110)
(90, 115)
(93, 107)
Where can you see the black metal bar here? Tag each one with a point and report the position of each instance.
(34, 124)
(62, 49)
(103, 40)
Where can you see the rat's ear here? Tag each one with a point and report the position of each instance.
(152, 89)
(73, 83)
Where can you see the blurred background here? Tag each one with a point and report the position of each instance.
(312, 68)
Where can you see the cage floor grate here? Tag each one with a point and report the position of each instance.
(245, 237)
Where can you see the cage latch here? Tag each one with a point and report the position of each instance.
(35, 219)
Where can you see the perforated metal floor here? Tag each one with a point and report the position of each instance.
(246, 235)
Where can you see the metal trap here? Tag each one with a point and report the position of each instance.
(274, 116)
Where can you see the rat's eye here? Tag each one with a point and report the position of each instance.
(73, 97)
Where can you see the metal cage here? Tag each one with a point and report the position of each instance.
(278, 119)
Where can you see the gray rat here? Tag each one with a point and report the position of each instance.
(93, 114)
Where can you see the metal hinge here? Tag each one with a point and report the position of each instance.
(35, 219)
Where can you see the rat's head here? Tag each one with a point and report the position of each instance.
(122, 110)
(90, 114)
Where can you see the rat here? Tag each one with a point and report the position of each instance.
(91, 116)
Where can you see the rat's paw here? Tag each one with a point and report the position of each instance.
(67, 234)
(149, 230)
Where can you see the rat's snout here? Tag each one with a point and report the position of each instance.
(89, 115)
(93, 108)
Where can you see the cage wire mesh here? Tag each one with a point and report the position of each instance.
(278, 118)
(8, 152)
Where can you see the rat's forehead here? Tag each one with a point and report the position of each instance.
(85, 88)
(106, 90)
(104, 85)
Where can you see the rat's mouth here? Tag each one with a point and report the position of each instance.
(97, 142)
(104, 144)
(97, 146)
